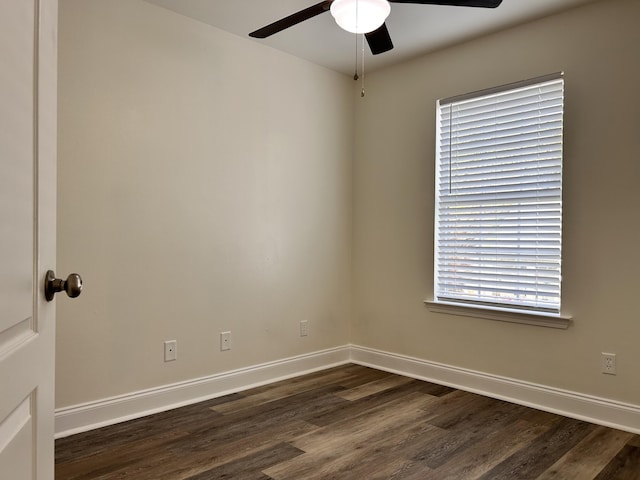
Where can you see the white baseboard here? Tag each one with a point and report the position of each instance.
(88, 416)
(601, 411)
(592, 409)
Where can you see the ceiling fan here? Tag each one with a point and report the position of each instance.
(361, 16)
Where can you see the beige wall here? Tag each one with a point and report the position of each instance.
(597, 48)
(204, 185)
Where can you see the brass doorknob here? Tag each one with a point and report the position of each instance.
(52, 285)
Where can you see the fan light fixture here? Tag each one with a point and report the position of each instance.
(360, 16)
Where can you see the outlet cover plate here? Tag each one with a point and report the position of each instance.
(304, 328)
(225, 341)
(609, 363)
(170, 350)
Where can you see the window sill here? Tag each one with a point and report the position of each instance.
(502, 315)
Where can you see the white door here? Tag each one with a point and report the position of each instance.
(28, 51)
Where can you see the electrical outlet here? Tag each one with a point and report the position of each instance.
(225, 341)
(609, 363)
(304, 328)
(170, 350)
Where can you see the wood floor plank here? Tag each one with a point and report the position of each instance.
(363, 375)
(488, 452)
(375, 386)
(539, 417)
(179, 461)
(436, 390)
(392, 449)
(283, 389)
(384, 453)
(220, 451)
(625, 465)
(472, 425)
(338, 449)
(544, 451)
(459, 416)
(365, 425)
(121, 434)
(250, 466)
(589, 457)
(352, 408)
(102, 462)
(380, 455)
(454, 402)
(410, 470)
(265, 416)
(350, 423)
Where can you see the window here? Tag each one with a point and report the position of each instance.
(498, 218)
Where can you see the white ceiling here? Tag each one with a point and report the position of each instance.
(414, 29)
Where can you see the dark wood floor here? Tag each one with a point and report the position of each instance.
(351, 422)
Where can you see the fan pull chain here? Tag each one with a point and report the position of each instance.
(362, 69)
(355, 75)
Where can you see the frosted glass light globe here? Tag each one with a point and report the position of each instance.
(360, 16)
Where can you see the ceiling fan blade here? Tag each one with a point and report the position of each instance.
(379, 40)
(292, 20)
(456, 3)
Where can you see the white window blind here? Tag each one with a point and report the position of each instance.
(498, 231)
